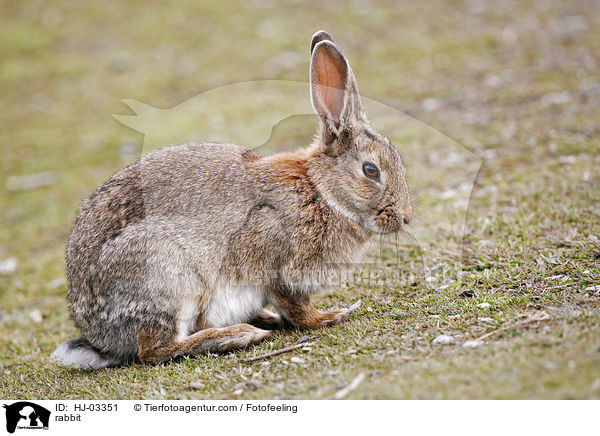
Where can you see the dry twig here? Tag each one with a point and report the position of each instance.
(530, 319)
(277, 352)
(349, 387)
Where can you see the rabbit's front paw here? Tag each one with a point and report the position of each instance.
(336, 316)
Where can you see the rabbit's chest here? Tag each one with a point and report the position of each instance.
(234, 304)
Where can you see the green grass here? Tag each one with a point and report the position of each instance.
(532, 214)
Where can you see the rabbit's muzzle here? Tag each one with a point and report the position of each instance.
(391, 219)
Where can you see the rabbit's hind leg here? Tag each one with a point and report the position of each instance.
(154, 347)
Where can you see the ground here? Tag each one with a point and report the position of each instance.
(515, 84)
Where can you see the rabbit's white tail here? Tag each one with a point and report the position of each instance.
(78, 353)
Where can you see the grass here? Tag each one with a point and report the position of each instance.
(519, 92)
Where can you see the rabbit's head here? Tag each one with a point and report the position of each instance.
(356, 170)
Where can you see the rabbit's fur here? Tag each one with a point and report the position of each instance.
(180, 252)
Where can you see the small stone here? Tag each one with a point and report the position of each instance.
(443, 340)
(39, 103)
(556, 98)
(490, 153)
(297, 360)
(493, 80)
(36, 316)
(253, 384)
(197, 385)
(129, 149)
(31, 181)
(266, 29)
(509, 36)
(557, 277)
(8, 266)
(467, 293)
(237, 392)
(472, 344)
(586, 176)
(238, 386)
(304, 338)
(567, 159)
(121, 61)
(484, 305)
(351, 351)
(430, 104)
(306, 349)
(265, 363)
(287, 60)
(438, 266)
(56, 283)
(485, 319)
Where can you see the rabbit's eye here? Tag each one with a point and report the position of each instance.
(371, 170)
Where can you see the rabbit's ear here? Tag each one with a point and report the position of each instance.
(333, 89)
(319, 36)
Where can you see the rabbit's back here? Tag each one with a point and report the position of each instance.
(197, 191)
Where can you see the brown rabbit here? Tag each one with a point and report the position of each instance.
(180, 252)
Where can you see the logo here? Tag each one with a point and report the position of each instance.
(26, 415)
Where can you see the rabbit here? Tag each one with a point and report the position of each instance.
(182, 251)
